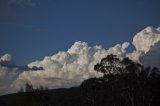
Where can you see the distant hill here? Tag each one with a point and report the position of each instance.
(56, 97)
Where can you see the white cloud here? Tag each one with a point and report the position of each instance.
(147, 48)
(6, 57)
(146, 38)
(135, 55)
(70, 68)
(9, 72)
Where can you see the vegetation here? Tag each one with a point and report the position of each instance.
(30, 88)
(57, 97)
(124, 83)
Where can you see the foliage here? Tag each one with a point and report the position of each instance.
(108, 65)
(126, 84)
(56, 97)
(30, 88)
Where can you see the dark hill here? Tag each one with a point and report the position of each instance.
(57, 97)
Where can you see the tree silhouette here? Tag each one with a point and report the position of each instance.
(131, 67)
(125, 83)
(29, 87)
(108, 65)
(21, 90)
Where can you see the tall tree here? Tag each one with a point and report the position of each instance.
(108, 65)
(29, 87)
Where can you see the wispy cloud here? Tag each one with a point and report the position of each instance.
(23, 2)
(26, 26)
(8, 3)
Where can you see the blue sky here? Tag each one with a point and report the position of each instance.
(32, 29)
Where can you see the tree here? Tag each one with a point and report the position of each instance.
(130, 66)
(21, 90)
(124, 83)
(29, 87)
(108, 65)
(88, 88)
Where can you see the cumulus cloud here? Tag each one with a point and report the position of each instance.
(146, 38)
(135, 55)
(6, 57)
(147, 50)
(64, 69)
(9, 71)
(69, 68)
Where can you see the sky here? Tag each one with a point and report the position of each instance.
(32, 29)
(57, 43)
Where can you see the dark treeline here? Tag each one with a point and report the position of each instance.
(124, 83)
(30, 88)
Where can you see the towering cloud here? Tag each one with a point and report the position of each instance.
(146, 38)
(147, 50)
(69, 68)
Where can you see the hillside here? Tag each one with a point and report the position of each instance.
(57, 97)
